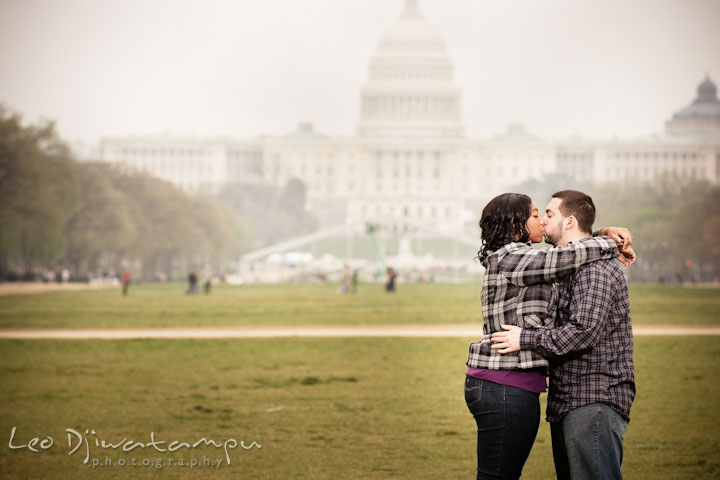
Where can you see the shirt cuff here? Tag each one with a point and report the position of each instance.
(611, 251)
(528, 338)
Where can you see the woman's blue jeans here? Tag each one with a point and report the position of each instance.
(507, 423)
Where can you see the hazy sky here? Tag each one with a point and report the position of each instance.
(243, 68)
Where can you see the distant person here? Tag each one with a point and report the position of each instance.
(590, 350)
(354, 281)
(192, 283)
(345, 283)
(207, 279)
(501, 391)
(391, 277)
(125, 282)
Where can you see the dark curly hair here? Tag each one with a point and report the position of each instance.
(503, 221)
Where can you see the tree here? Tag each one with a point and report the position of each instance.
(292, 199)
(38, 193)
(102, 224)
(270, 215)
(695, 231)
(671, 218)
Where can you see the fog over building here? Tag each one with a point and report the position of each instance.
(409, 165)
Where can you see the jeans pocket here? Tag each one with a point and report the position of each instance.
(473, 391)
(619, 425)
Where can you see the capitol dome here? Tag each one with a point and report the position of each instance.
(701, 117)
(410, 89)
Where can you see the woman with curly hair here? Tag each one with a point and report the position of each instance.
(502, 391)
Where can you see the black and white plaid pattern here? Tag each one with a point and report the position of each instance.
(591, 348)
(518, 290)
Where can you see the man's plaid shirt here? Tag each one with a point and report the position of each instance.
(518, 290)
(591, 348)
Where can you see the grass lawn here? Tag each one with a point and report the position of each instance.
(309, 304)
(351, 408)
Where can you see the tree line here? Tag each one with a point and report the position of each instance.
(675, 222)
(89, 217)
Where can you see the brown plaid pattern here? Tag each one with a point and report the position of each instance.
(591, 348)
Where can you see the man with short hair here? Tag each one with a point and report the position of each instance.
(592, 384)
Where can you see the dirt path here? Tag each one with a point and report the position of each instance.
(20, 288)
(463, 331)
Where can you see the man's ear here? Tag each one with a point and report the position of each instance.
(571, 221)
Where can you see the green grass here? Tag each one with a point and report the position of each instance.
(671, 305)
(321, 408)
(310, 304)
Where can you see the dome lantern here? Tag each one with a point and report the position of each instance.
(411, 9)
(707, 91)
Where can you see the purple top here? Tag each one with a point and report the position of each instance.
(531, 380)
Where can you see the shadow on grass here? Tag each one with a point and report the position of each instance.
(309, 380)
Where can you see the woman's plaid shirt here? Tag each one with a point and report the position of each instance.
(518, 289)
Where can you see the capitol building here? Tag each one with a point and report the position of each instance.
(409, 166)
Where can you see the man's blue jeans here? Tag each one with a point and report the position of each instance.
(588, 443)
(507, 422)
